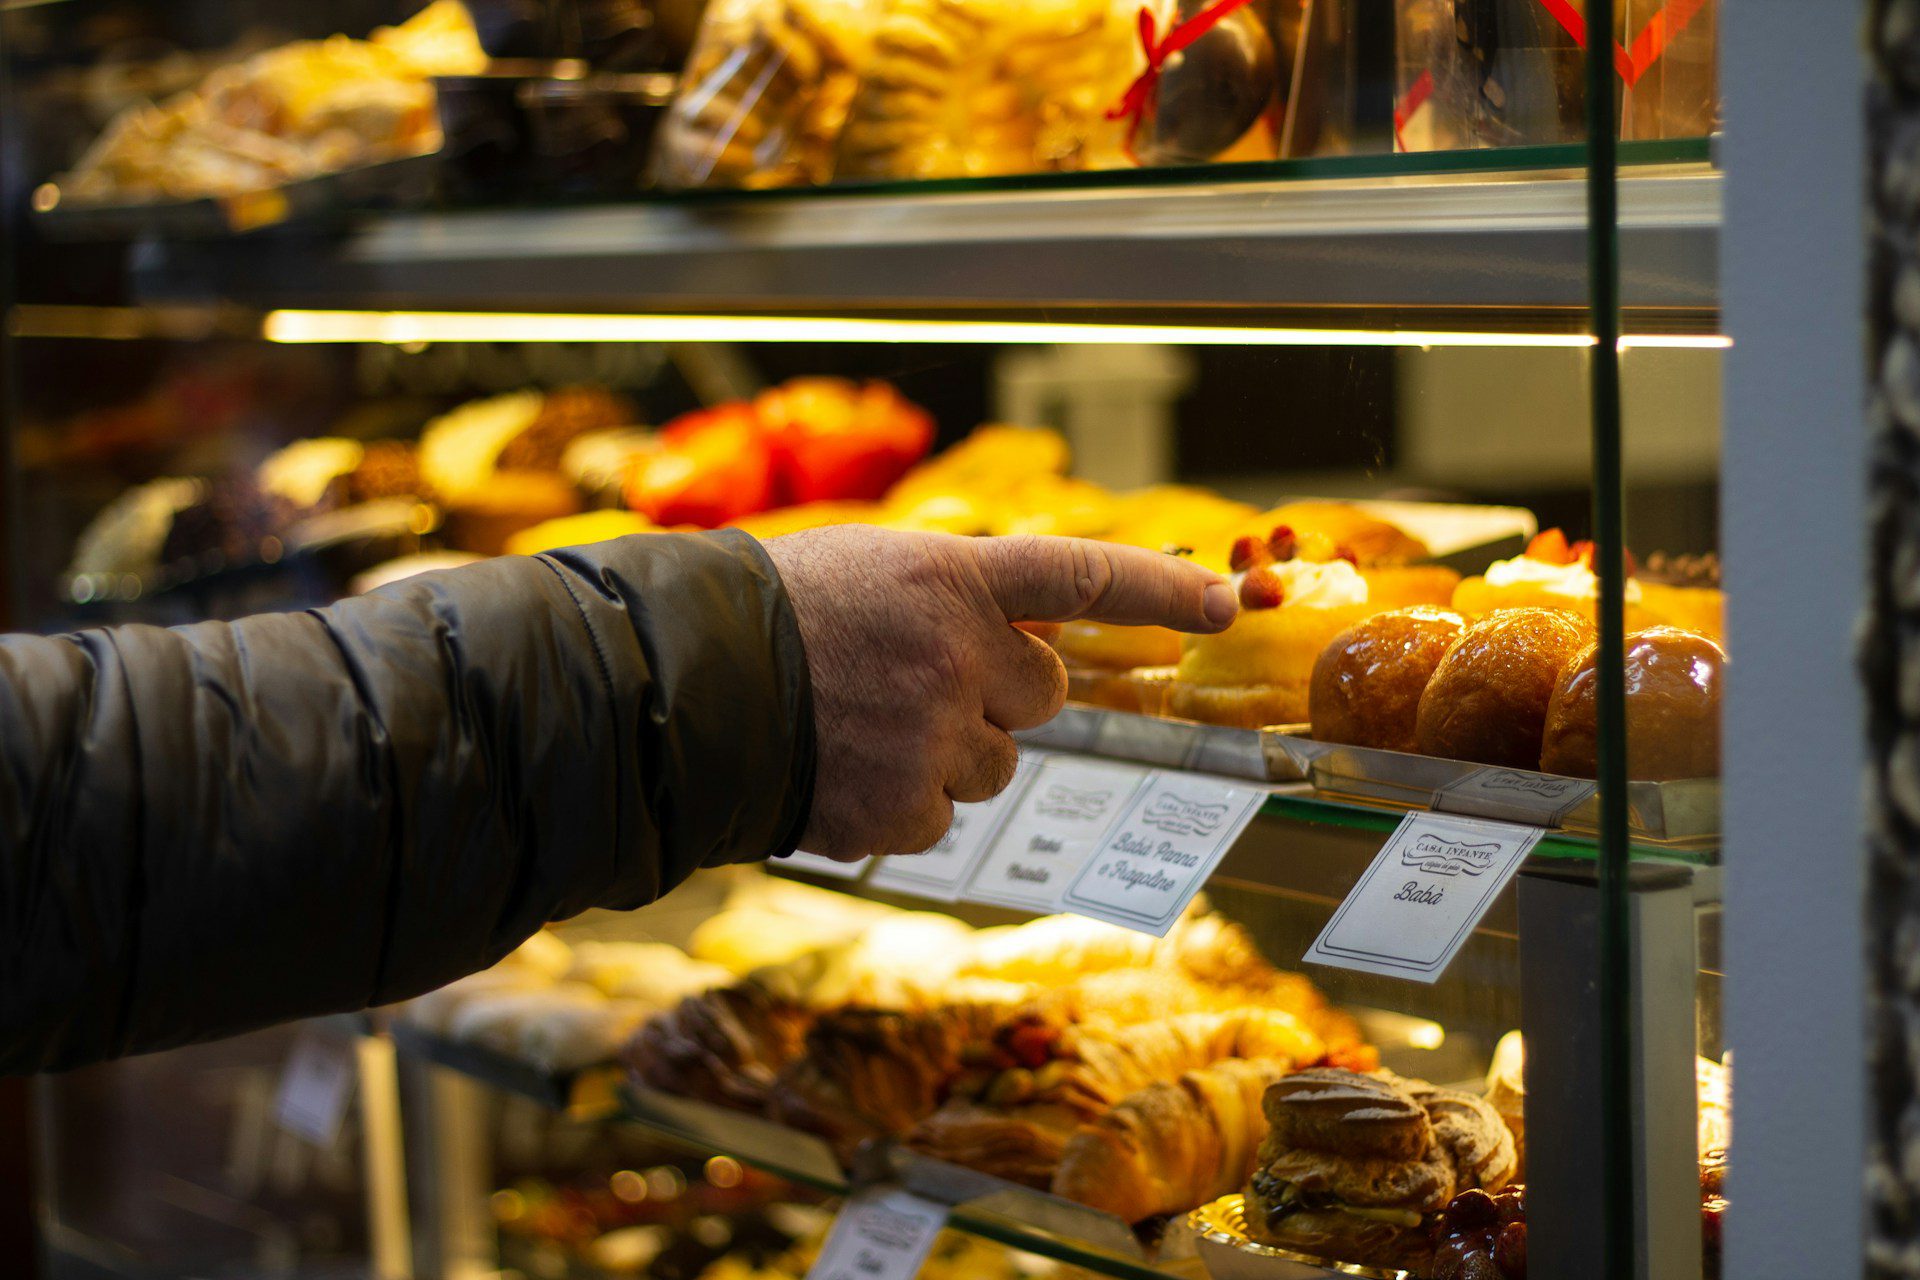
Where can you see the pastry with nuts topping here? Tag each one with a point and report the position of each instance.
(1354, 1164)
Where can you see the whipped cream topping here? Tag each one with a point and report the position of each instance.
(1312, 584)
(1576, 581)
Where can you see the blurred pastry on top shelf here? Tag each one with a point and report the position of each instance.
(1353, 1164)
(1371, 540)
(486, 518)
(1257, 671)
(1367, 683)
(577, 531)
(1674, 681)
(307, 473)
(1487, 701)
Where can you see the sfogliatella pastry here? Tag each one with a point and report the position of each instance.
(1256, 672)
(1674, 680)
(1367, 683)
(1353, 1164)
(1488, 699)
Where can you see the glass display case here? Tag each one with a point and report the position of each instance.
(1324, 295)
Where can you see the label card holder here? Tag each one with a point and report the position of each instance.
(943, 870)
(315, 1087)
(1161, 851)
(881, 1233)
(1514, 795)
(1053, 830)
(1423, 894)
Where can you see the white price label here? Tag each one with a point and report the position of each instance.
(820, 865)
(1162, 850)
(1422, 895)
(1049, 835)
(940, 872)
(881, 1233)
(1514, 795)
(316, 1086)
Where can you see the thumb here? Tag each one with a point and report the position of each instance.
(1036, 579)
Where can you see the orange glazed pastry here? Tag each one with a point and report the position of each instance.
(1256, 672)
(1553, 574)
(1367, 684)
(1674, 681)
(1488, 699)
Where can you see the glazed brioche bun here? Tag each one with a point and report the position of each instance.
(1367, 683)
(1403, 586)
(1674, 681)
(1488, 699)
(1103, 646)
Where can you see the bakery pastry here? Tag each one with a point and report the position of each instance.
(1553, 574)
(305, 473)
(1507, 1091)
(577, 531)
(1674, 681)
(1353, 1164)
(1256, 672)
(1371, 541)
(1367, 683)
(725, 1046)
(1487, 701)
(1172, 1145)
(486, 518)
(1684, 591)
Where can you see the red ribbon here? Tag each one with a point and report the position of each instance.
(1416, 98)
(1143, 95)
(1648, 46)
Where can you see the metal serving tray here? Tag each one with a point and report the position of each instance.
(1683, 813)
(404, 180)
(1279, 754)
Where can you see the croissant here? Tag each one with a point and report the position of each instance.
(1171, 1146)
(1015, 1123)
(866, 1073)
(724, 1046)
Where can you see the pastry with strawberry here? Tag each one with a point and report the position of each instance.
(1297, 592)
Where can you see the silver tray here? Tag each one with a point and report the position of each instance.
(1683, 813)
(1281, 753)
(403, 180)
(1230, 1254)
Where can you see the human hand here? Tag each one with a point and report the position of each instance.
(919, 672)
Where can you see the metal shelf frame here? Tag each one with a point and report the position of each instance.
(1484, 244)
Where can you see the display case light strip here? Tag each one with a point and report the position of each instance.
(402, 328)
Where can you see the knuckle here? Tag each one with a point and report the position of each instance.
(1092, 575)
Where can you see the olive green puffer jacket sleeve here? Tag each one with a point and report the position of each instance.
(211, 828)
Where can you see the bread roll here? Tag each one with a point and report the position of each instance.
(1367, 684)
(1488, 699)
(1674, 680)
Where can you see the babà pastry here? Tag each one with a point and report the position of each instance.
(1172, 1145)
(1352, 1164)
(1674, 680)
(1256, 672)
(1367, 683)
(1487, 701)
(1553, 574)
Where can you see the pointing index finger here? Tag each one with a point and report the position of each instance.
(1040, 579)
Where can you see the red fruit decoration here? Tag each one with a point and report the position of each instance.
(1248, 553)
(1262, 589)
(715, 465)
(834, 440)
(1283, 543)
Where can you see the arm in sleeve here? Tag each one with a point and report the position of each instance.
(210, 828)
